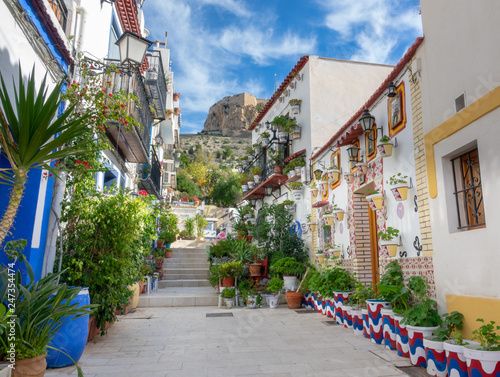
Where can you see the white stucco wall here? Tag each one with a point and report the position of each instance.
(461, 51)
(462, 57)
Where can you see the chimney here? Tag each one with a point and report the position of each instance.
(166, 39)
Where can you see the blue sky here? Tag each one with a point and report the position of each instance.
(225, 47)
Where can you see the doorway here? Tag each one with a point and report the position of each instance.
(372, 217)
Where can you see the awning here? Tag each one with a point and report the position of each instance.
(320, 204)
(295, 155)
(351, 135)
(259, 192)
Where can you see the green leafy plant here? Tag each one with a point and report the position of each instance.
(385, 139)
(228, 293)
(285, 123)
(241, 251)
(256, 170)
(389, 234)
(320, 251)
(295, 186)
(230, 269)
(294, 102)
(309, 218)
(41, 308)
(190, 226)
(276, 156)
(288, 266)
(451, 322)
(168, 227)
(392, 288)
(361, 294)
(335, 207)
(32, 136)
(265, 135)
(423, 312)
(275, 285)
(397, 178)
(250, 150)
(487, 336)
(372, 192)
(201, 223)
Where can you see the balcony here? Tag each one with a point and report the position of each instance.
(151, 182)
(132, 145)
(156, 87)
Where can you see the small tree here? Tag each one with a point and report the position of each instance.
(201, 223)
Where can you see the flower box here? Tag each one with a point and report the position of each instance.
(282, 137)
(339, 213)
(349, 177)
(385, 149)
(296, 133)
(328, 219)
(314, 192)
(295, 109)
(400, 191)
(362, 167)
(376, 201)
(333, 174)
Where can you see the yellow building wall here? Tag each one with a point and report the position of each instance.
(472, 308)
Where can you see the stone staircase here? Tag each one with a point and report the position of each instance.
(184, 279)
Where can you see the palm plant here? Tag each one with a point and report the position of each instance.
(32, 136)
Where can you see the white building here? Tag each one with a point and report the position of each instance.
(330, 90)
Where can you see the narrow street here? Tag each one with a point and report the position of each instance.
(183, 341)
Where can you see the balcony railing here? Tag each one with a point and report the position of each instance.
(155, 84)
(152, 182)
(132, 145)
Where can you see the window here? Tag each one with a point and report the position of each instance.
(353, 163)
(335, 163)
(327, 234)
(60, 11)
(113, 49)
(396, 111)
(468, 191)
(371, 143)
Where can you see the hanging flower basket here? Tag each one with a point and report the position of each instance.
(320, 258)
(265, 141)
(314, 192)
(318, 174)
(245, 163)
(296, 133)
(282, 137)
(256, 179)
(251, 184)
(312, 225)
(291, 174)
(376, 201)
(295, 109)
(335, 252)
(323, 185)
(176, 97)
(400, 191)
(298, 170)
(363, 167)
(290, 207)
(177, 110)
(385, 149)
(329, 219)
(333, 174)
(258, 150)
(339, 213)
(349, 177)
(244, 188)
(251, 156)
(392, 246)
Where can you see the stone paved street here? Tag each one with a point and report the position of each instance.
(182, 341)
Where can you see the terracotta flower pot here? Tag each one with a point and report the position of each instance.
(254, 269)
(176, 97)
(294, 299)
(159, 243)
(34, 367)
(168, 254)
(228, 282)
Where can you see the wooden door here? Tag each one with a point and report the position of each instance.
(374, 248)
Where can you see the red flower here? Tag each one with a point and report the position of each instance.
(120, 70)
(101, 128)
(103, 91)
(110, 95)
(74, 82)
(122, 105)
(50, 175)
(103, 112)
(78, 162)
(91, 67)
(121, 119)
(143, 193)
(126, 122)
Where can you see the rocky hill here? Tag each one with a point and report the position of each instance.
(232, 115)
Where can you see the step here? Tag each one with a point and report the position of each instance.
(183, 270)
(182, 296)
(204, 266)
(184, 283)
(185, 260)
(192, 275)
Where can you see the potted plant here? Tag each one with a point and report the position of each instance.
(456, 364)
(277, 158)
(363, 167)
(328, 216)
(228, 295)
(421, 319)
(243, 178)
(296, 188)
(298, 164)
(349, 177)
(244, 287)
(333, 173)
(318, 173)
(274, 287)
(399, 186)
(254, 298)
(42, 309)
(335, 250)
(484, 359)
(289, 205)
(296, 133)
(311, 224)
(320, 256)
(339, 212)
(435, 353)
(257, 173)
(390, 239)
(375, 199)
(289, 170)
(385, 147)
(295, 106)
(342, 288)
(314, 189)
(228, 271)
(265, 136)
(288, 268)
(257, 147)
(168, 253)
(358, 303)
(255, 267)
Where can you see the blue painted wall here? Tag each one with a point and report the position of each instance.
(25, 220)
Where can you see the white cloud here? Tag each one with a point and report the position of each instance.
(206, 59)
(373, 25)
